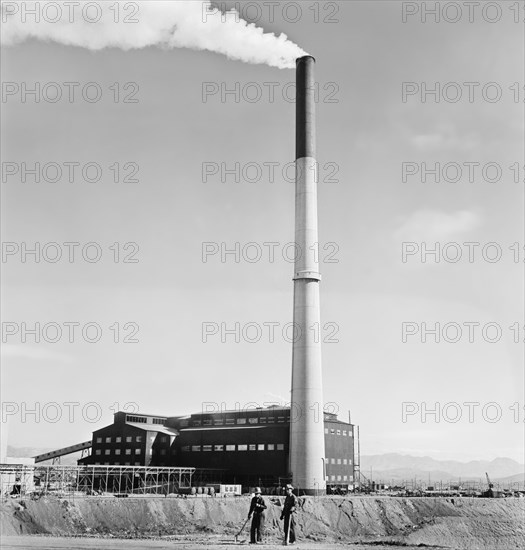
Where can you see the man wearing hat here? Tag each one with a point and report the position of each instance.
(257, 508)
(290, 503)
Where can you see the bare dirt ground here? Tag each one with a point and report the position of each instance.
(63, 543)
(327, 522)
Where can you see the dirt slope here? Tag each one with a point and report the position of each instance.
(453, 523)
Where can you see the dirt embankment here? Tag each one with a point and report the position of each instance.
(451, 523)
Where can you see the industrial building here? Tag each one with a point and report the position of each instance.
(250, 447)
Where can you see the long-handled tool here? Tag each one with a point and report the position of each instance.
(242, 529)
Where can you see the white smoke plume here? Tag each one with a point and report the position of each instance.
(198, 25)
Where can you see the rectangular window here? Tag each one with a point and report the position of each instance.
(206, 448)
(108, 439)
(241, 420)
(117, 463)
(253, 420)
(338, 478)
(206, 422)
(118, 439)
(350, 462)
(106, 452)
(163, 439)
(185, 449)
(196, 422)
(128, 451)
(163, 451)
(345, 478)
(332, 431)
(344, 461)
(252, 447)
(117, 451)
(99, 440)
(338, 461)
(280, 446)
(137, 463)
(184, 423)
(138, 439)
(219, 422)
(271, 420)
(127, 463)
(128, 439)
(195, 448)
(326, 430)
(230, 421)
(260, 446)
(332, 478)
(332, 461)
(271, 447)
(230, 447)
(344, 432)
(280, 419)
(98, 452)
(242, 447)
(262, 420)
(219, 448)
(338, 432)
(137, 451)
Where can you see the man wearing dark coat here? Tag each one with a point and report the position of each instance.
(290, 504)
(257, 508)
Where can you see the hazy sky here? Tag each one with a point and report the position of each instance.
(366, 131)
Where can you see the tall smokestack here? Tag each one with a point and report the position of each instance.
(307, 422)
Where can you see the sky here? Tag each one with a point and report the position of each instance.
(170, 129)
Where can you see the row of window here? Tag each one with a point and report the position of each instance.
(232, 421)
(338, 478)
(333, 431)
(241, 447)
(118, 451)
(144, 420)
(129, 439)
(343, 461)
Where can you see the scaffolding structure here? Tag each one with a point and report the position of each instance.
(37, 481)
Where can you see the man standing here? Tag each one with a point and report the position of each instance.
(290, 504)
(257, 508)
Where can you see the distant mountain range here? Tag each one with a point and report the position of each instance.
(398, 467)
